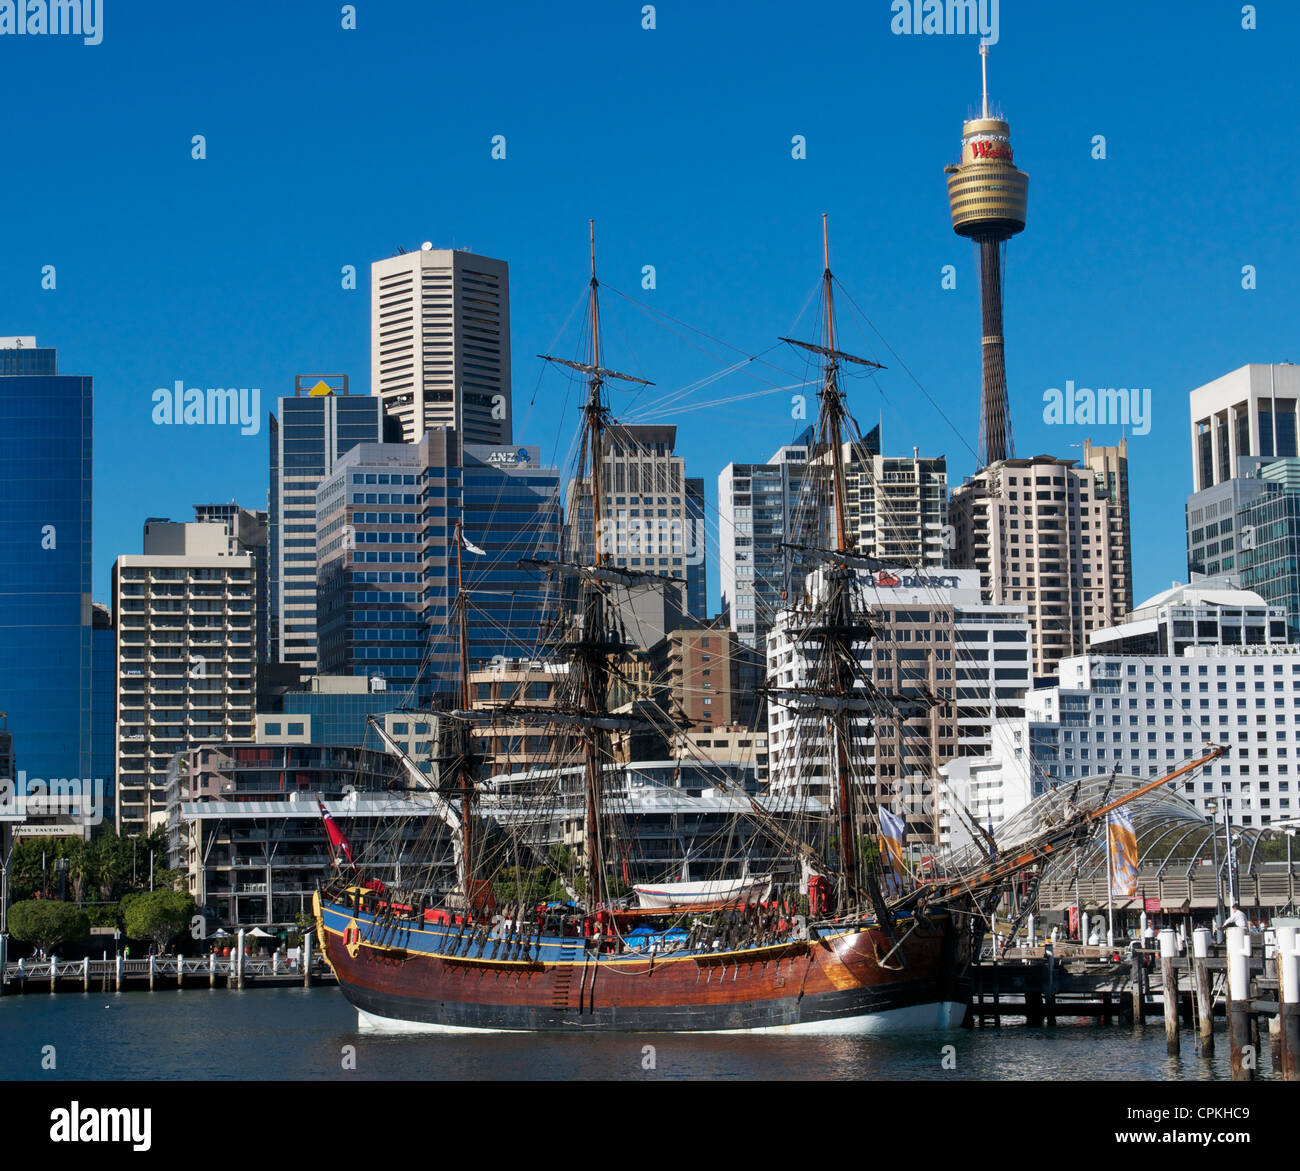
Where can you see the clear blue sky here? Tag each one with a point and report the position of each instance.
(328, 147)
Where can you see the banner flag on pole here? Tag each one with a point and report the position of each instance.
(1121, 840)
(892, 828)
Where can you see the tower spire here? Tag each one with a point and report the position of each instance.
(988, 196)
(984, 68)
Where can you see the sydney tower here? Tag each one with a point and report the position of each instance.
(988, 197)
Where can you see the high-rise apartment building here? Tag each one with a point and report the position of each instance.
(897, 511)
(715, 677)
(315, 428)
(186, 617)
(1109, 465)
(652, 519)
(1042, 533)
(761, 509)
(45, 566)
(440, 343)
(937, 644)
(1243, 516)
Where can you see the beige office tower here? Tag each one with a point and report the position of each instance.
(186, 617)
(1109, 465)
(1043, 533)
(440, 344)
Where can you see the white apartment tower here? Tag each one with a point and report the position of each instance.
(186, 618)
(934, 639)
(440, 343)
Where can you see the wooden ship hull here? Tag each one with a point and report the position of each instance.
(421, 976)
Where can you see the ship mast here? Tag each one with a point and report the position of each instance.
(464, 759)
(594, 670)
(837, 626)
(595, 637)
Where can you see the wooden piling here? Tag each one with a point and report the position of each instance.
(85, 974)
(1169, 990)
(237, 971)
(1139, 1005)
(1204, 1002)
(153, 971)
(212, 969)
(118, 972)
(1288, 994)
(1238, 949)
(1049, 984)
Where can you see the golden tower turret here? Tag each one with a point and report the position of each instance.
(988, 197)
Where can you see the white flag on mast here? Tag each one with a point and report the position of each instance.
(470, 547)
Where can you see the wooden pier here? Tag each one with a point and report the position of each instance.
(1237, 984)
(157, 973)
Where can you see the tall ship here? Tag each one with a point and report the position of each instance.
(810, 918)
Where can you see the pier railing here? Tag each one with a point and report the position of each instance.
(159, 971)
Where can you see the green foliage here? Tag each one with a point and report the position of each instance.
(99, 869)
(104, 915)
(47, 922)
(159, 915)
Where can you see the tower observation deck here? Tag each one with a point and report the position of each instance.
(988, 197)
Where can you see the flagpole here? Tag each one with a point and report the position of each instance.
(1110, 886)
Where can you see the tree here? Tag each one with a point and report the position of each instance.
(159, 915)
(47, 923)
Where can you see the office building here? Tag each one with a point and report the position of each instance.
(244, 825)
(371, 564)
(1243, 516)
(937, 642)
(1250, 412)
(186, 616)
(1042, 533)
(440, 344)
(653, 513)
(314, 429)
(510, 509)
(45, 566)
(1208, 611)
(386, 523)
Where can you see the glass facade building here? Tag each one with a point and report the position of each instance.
(511, 510)
(386, 560)
(45, 562)
(1250, 526)
(370, 563)
(315, 428)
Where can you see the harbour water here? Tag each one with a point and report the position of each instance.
(311, 1034)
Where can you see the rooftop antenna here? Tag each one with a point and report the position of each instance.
(984, 69)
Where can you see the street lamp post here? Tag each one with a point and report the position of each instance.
(1213, 807)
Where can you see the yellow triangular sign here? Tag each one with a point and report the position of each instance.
(320, 389)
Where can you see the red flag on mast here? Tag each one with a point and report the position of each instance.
(337, 841)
